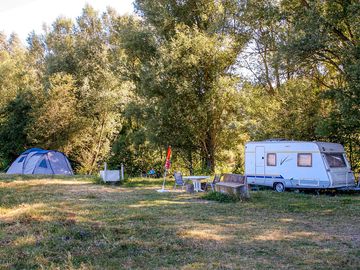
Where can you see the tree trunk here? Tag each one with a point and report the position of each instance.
(190, 159)
(210, 152)
(351, 153)
(98, 147)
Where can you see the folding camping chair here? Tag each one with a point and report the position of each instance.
(179, 180)
(214, 181)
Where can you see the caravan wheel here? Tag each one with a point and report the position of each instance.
(279, 187)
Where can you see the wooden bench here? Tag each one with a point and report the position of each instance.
(235, 184)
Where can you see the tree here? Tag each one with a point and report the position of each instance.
(78, 73)
(291, 113)
(326, 34)
(184, 59)
(17, 88)
(55, 123)
(15, 117)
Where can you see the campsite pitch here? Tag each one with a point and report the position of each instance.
(73, 223)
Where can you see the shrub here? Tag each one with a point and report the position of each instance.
(220, 197)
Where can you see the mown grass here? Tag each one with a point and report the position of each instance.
(220, 197)
(72, 223)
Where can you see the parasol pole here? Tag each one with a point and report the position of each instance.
(167, 166)
(163, 185)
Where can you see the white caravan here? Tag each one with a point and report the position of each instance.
(299, 165)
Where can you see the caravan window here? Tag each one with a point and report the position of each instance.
(335, 160)
(304, 160)
(271, 159)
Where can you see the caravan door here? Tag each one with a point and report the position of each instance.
(338, 168)
(260, 164)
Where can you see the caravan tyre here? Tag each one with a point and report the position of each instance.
(279, 187)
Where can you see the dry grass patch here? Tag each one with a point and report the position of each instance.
(72, 223)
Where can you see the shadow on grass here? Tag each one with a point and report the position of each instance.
(94, 226)
(24, 177)
(147, 182)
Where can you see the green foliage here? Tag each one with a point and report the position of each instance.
(78, 108)
(187, 89)
(292, 113)
(55, 121)
(220, 197)
(312, 41)
(202, 76)
(324, 38)
(18, 86)
(13, 126)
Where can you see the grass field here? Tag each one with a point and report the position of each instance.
(73, 223)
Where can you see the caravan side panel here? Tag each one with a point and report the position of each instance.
(283, 166)
(254, 163)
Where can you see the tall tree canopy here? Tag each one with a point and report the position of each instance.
(326, 34)
(185, 54)
(203, 76)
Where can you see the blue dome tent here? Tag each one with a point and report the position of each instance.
(39, 161)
